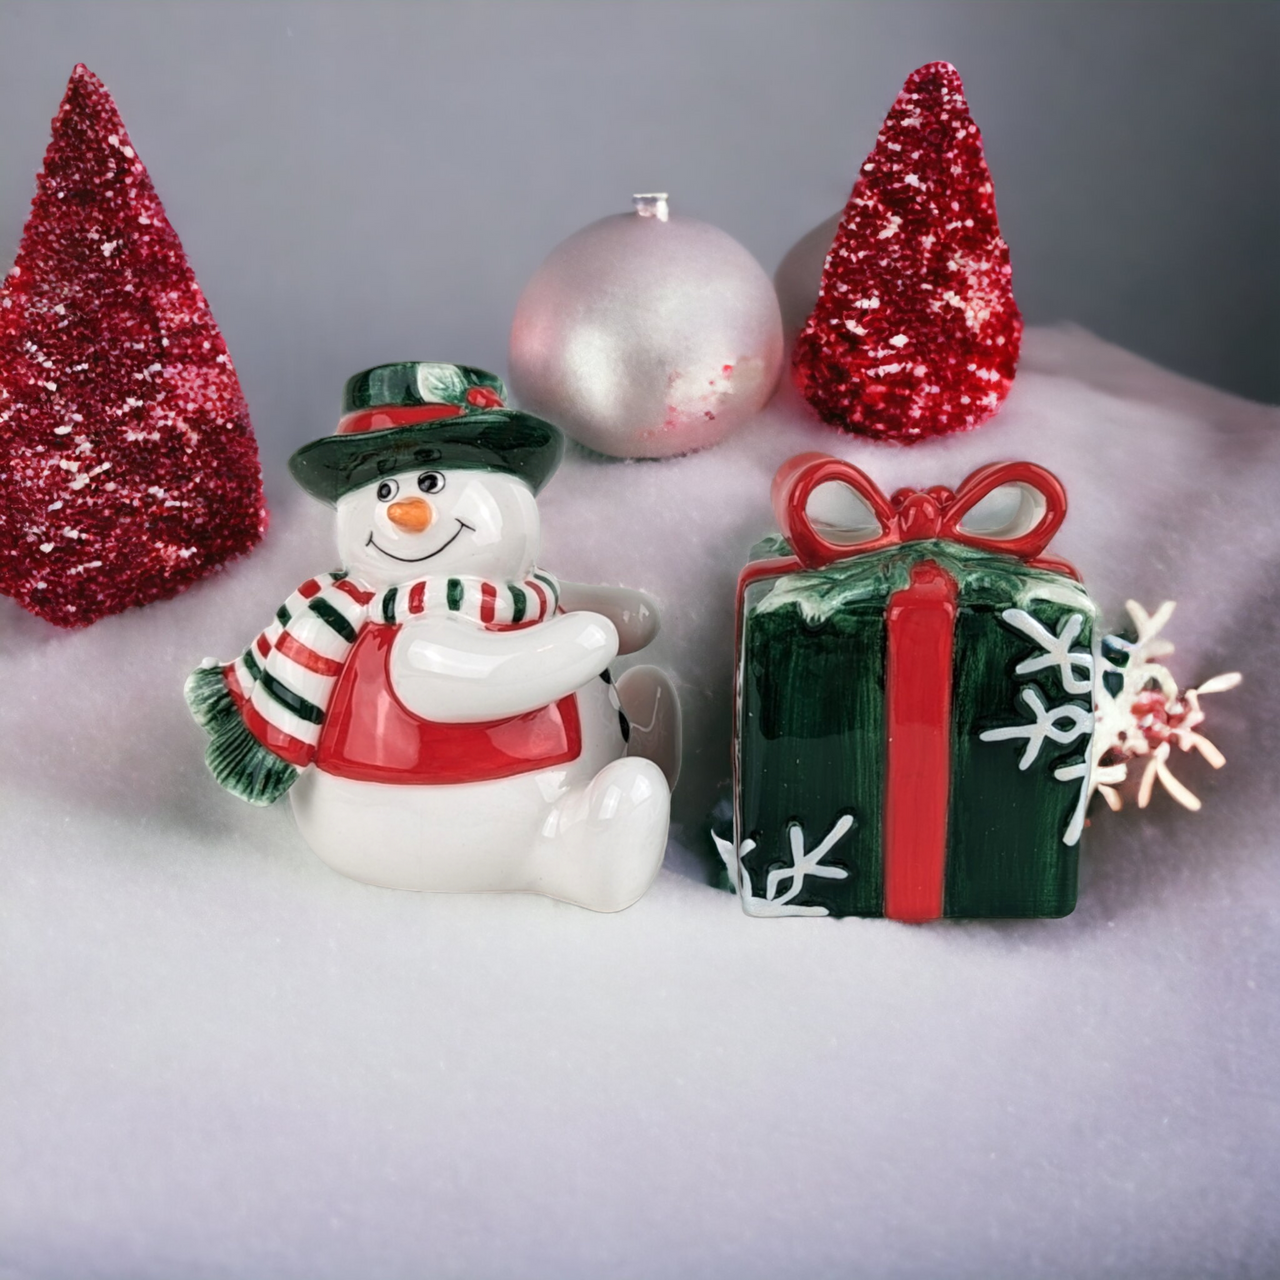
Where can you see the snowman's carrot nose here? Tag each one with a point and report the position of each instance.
(413, 515)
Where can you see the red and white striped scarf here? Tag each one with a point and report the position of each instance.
(281, 684)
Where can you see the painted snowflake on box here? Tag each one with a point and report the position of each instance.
(129, 465)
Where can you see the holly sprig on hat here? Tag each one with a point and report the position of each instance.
(456, 384)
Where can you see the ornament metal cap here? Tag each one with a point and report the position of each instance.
(652, 204)
(417, 414)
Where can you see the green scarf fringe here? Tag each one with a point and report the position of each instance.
(209, 698)
(238, 761)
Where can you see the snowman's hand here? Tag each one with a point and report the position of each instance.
(634, 613)
(450, 670)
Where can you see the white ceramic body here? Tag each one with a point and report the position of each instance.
(591, 832)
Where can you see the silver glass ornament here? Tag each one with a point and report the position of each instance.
(645, 335)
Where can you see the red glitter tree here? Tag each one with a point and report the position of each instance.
(915, 332)
(128, 468)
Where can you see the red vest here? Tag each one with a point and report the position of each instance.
(371, 736)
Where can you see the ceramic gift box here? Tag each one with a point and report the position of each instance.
(914, 707)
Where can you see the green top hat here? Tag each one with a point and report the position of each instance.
(400, 416)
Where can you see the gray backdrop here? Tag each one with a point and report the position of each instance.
(369, 182)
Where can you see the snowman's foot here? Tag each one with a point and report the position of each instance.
(649, 699)
(602, 844)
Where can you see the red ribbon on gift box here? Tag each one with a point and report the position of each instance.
(920, 622)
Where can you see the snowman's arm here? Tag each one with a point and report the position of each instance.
(444, 669)
(632, 612)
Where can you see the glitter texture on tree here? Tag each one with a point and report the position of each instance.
(915, 332)
(129, 467)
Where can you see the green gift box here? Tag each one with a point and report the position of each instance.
(914, 703)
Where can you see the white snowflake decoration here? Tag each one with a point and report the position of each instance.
(802, 864)
(1077, 720)
(1057, 649)
(1057, 724)
(1148, 716)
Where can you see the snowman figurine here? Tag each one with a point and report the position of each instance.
(440, 710)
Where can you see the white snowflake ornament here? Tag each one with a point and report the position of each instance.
(1147, 715)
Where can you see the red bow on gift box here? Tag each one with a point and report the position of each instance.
(913, 515)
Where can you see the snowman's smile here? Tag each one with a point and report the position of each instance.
(457, 533)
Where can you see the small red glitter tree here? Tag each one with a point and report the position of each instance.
(128, 467)
(915, 332)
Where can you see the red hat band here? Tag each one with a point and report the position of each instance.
(389, 416)
(386, 417)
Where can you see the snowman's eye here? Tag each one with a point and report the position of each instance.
(431, 482)
(387, 490)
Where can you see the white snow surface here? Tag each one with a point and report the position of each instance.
(219, 1058)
